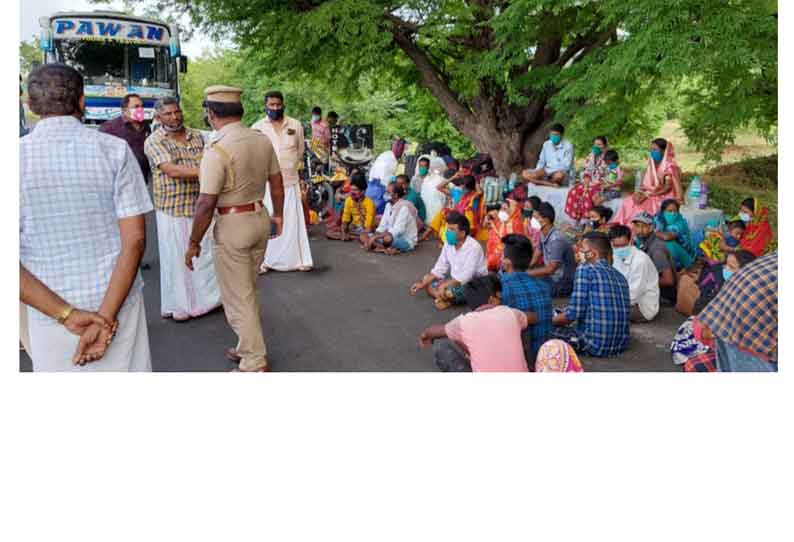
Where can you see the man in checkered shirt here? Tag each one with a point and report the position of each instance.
(742, 319)
(81, 230)
(599, 305)
(174, 152)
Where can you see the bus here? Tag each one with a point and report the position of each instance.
(117, 54)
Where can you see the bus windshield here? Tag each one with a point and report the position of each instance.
(109, 62)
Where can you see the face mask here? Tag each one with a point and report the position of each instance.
(670, 217)
(745, 217)
(592, 223)
(206, 118)
(503, 216)
(582, 257)
(172, 129)
(656, 155)
(596, 150)
(138, 114)
(275, 114)
(726, 273)
(456, 192)
(357, 198)
(621, 252)
(451, 237)
(554, 138)
(613, 166)
(422, 171)
(526, 213)
(315, 118)
(535, 224)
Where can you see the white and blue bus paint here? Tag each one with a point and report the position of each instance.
(117, 54)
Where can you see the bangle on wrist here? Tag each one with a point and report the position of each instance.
(194, 242)
(64, 314)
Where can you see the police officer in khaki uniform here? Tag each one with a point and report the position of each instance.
(233, 176)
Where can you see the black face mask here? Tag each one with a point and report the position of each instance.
(206, 118)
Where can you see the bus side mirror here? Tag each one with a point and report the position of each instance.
(182, 64)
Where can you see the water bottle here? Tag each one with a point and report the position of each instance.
(693, 194)
(637, 180)
(704, 195)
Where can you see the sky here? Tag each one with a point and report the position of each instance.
(31, 10)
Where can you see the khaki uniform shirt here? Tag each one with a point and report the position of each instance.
(236, 166)
(289, 144)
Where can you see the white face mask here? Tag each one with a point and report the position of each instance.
(534, 223)
(503, 216)
(315, 118)
(745, 217)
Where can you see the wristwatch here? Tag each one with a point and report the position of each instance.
(65, 314)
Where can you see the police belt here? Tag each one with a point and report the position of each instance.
(235, 209)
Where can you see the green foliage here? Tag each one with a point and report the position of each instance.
(29, 53)
(608, 66)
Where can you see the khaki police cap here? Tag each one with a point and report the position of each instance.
(223, 94)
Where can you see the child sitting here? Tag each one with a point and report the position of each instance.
(613, 180)
(720, 241)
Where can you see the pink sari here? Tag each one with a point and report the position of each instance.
(654, 178)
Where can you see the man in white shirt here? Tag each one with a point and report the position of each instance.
(461, 260)
(640, 272)
(555, 164)
(397, 231)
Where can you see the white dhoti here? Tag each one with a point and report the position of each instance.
(53, 346)
(290, 250)
(185, 293)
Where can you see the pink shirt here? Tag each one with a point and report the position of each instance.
(492, 335)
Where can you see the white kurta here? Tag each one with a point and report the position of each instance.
(290, 250)
(52, 345)
(384, 167)
(185, 293)
(433, 199)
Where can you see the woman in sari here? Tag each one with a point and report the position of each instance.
(758, 233)
(464, 197)
(662, 181)
(672, 228)
(580, 197)
(508, 220)
(556, 356)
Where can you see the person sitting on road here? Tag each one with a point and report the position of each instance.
(488, 339)
(672, 228)
(640, 273)
(599, 306)
(461, 260)
(422, 170)
(645, 240)
(397, 229)
(555, 165)
(464, 197)
(525, 293)
(598, 219)
(558, 261)
(358, 216)
(414, 197)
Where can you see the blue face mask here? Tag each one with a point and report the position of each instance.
(554, 138)
(621, 253)
(612, 166)
(670, 217)
(656, 155)
(451, 237)
(456, 192)
(275, 114)
(726, 273)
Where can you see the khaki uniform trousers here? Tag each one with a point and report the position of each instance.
(240, 243)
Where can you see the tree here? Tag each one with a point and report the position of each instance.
(503, 70)
(29, 53)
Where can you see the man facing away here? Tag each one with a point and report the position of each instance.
(291, 251)
(81, 233)
(488, 339)
(175, 152)
(234, 172)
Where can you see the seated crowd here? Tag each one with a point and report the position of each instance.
(616, 268)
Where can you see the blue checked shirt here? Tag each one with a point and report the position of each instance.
(525, 293)
(600, 307)
(75, 184)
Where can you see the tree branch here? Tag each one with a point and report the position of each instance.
(432, 78)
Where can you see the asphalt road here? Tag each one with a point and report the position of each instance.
(352, 313)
